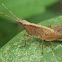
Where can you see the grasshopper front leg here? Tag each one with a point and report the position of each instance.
(26, 41)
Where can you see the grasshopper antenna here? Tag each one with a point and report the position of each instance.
(7, 16)
(17, 19)
(10, 12)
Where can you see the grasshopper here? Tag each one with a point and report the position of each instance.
(42, 32)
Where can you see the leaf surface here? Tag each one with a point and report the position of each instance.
(11, 52)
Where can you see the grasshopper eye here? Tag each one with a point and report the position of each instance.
(45, 34)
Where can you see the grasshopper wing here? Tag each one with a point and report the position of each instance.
(37, 30)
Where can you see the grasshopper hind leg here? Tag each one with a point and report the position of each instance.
(42, 46)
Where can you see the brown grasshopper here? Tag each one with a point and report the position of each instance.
(42, 32)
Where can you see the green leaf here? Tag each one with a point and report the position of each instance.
(11, 52)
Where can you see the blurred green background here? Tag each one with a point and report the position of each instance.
(35, 11)
(32, 10)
